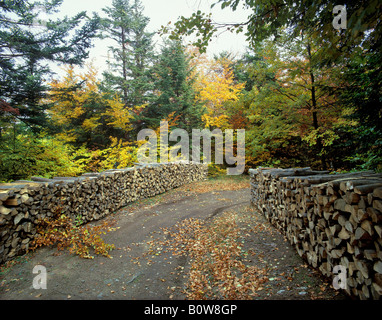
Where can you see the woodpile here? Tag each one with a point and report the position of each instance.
(88, 197)
(331, 219)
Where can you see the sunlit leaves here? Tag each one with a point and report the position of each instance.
(216, 85)
(120, 116)
(70, 95)
(199, 23)
(81, 111)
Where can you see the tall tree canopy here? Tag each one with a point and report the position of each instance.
(132, 52)
(351, 56)
(27, 43)
(268, 18)
(174, 94)
(307, 91)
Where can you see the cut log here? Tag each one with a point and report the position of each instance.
(370, 254)
(335, 229)
(4, 210)
(40, 179)
(362, 234)
(368, 188)
(378, 229)
(12, 202)
(378, 278)
(376, 291)
(337, 253)
(352, 197)
(377, 193)
(3, 195)
(356, 180)
(344, 234)
(349, 226)
(367, 226)
(363, 267)
(377, 204)
(18, 218)
(340, 204)
(360, 215)
(349, 248)
(375, 215)
(378, 267)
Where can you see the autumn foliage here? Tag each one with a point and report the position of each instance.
(216, 85)
(79, 239)
(218, 268)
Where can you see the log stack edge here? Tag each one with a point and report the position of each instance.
(331, 220)
(88, 197)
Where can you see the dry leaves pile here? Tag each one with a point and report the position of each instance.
(218, 269)
(78, 239)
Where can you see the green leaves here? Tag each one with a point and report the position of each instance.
(131, 54)
(173, 82)
(27, 42)
(199, 23)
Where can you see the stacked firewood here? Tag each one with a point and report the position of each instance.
(331, 219)
(85, 198)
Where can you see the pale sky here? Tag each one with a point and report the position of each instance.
(160, 13)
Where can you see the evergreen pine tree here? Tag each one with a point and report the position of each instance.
(27, 43)
(132, 53)
(173, 90)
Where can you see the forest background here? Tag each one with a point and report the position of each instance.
(306, 93)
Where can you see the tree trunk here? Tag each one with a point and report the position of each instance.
(124, 67)
(314, 109)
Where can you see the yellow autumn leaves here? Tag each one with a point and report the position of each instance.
(215, 84)
(90, 116)
(71, 101)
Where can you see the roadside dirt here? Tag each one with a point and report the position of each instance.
(136, 271)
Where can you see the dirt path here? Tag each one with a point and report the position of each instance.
(137, 272)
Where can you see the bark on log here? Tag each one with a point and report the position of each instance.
(330, 219)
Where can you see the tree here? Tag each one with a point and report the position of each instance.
(27, 43)
(83, 114)
(292, 115)
(132, 55)
(349, 57)
(216, 86)
(269, 18)
(174, 93)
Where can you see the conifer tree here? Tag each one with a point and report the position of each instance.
(174, 92)
(132, 53)
(27, 43)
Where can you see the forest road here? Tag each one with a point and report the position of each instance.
(135, 272)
